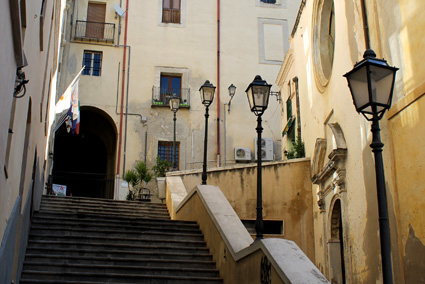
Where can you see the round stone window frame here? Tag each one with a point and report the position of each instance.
(322, 65)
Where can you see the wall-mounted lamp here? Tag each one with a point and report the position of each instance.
(232, 91)
(20, 83)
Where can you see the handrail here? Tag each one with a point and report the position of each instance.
(224, 233)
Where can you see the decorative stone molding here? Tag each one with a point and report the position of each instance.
(318, 157)
(334, 168)
(322, 65)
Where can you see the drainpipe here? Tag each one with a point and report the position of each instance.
(122, 91)
(218, 83)
(126, 110)
(365, 25)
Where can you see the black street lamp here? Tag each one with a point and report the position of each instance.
(371, 83)
(174, 106)
(207, 95)
(258, 93)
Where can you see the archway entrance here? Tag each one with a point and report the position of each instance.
(85, 162)
(336, 246)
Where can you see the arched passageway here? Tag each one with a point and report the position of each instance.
(85, 162)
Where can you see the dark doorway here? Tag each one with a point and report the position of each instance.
(336, 246)
(85, 162)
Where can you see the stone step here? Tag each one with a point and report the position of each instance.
(95, 278)
(88, 200)
(167, 252)
(110, 212)
(60, 232)
(173, 262)
(96, 221)
(177, 247)
(118, 269)
(100, 205)
(155, 241)
(86, 240)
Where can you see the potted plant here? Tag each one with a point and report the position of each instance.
(137, 178)
(160, 168)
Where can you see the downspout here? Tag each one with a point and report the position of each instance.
(122, 91)
(365, 25)
(126, 110)
(218, 83)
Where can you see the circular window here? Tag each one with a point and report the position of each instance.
(323, 41)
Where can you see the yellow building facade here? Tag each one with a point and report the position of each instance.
(327, 40)
(139, 54)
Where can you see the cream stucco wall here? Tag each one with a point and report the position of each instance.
(253, 39)
(24, 121)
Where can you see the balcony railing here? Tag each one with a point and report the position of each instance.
(93, 31)
(162, 96)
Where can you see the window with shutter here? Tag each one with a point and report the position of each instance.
(95, 20)
(171, 11)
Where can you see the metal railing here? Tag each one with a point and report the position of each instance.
(162, 96)
(94, 31)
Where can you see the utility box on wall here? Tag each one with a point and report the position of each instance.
(267, 153)
(242, 154)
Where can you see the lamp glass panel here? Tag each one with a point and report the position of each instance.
(250, 98)
(207, 95)
(174, 104)
(359, 88)
(261, 96)
(232, 90)
(382, 79)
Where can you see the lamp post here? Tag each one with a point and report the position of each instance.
(174, 106)
(207, 95)
(371, 83)
(258, 93)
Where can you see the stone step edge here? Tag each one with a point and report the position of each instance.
(107, 219)
(123, 267)
(145, 231)
(104, 212)
(127, 252)
(101, 202)
(112, 258)
(116, 225)
(110, 208)
(118, 216)
(116, 238)
(85, 274)
(30, 242)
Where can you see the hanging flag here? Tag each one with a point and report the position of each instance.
(68, 120)
(64, 101)
(75, 109)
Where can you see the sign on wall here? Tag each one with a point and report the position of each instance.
(59, 189)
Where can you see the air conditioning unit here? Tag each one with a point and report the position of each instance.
(267, 153)
(242, 154)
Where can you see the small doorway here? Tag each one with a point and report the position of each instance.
(336, 246)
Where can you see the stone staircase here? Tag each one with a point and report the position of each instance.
(84, 240)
